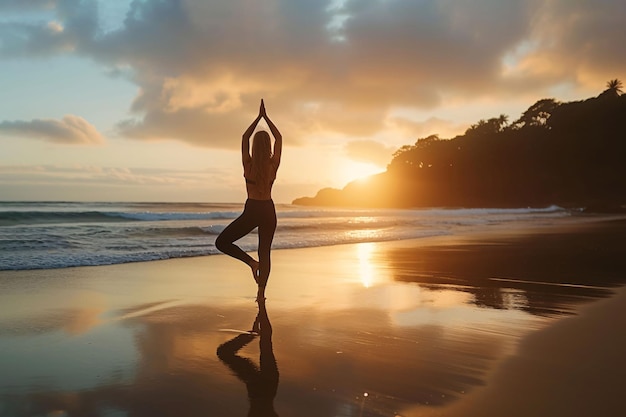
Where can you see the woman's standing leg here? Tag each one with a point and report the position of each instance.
(267, 227)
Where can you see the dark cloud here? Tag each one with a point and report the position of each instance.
(442, 45)
(579, 41)
(202, 66)
(71, 129)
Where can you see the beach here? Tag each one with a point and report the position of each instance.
(490, 322)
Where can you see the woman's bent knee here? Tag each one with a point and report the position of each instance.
(221, 243)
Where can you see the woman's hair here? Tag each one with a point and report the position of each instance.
(261, 167)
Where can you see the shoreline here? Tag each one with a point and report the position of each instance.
(512, 229)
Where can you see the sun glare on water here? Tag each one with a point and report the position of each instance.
(368, 270)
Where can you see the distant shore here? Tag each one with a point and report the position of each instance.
(565, 153)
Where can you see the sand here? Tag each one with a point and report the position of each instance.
(513, 322)
(575, 367)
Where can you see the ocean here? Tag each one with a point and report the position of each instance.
(45, 235)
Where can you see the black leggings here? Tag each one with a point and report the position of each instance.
(256, 213)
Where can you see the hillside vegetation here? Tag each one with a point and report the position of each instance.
(569, 154)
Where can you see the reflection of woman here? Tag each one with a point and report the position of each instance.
(259, 171)
(261, 382)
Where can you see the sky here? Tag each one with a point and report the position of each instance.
(146, 100)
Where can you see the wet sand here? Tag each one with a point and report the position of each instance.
(509, 322)
(575, 367)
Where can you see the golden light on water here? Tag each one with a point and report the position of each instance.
(366, 270)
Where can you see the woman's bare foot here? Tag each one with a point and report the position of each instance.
(254, 266)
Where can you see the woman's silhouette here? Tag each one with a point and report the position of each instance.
(259, 171)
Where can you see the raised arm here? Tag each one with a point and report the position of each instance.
(278, 138)
(245, 140)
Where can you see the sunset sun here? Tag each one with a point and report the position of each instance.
(353, 171)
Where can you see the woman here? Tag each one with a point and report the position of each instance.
(259, 171)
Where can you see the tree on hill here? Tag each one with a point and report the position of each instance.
(488, 127)
(538, 114)
(615, 86)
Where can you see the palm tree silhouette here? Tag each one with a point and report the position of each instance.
(502, 121)
(615, 86)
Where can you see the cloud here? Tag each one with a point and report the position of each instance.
(431, 126)
(576, 41)
(191, 125)
(20, 5)
(284, 52)
(201, 67)
(96, 175)
(72, 130)
(98, 183)
(369, 151)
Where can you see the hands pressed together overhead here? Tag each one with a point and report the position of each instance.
(262, 112)
(263, 115)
